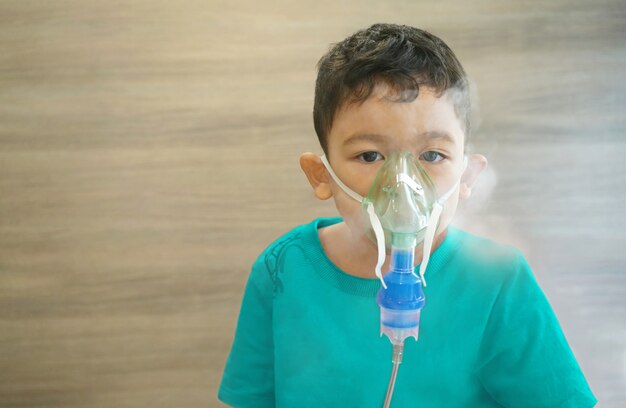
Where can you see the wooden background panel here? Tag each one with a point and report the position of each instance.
(148, 153)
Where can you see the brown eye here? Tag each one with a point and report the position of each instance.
(370, 157)
(431, 156)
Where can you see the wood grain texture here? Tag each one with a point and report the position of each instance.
(148, 153)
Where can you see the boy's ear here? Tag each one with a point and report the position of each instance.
(476, 163)
(317, 175)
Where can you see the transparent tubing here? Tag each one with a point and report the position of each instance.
(396, 360)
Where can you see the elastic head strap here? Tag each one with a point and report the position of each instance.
(374, 221)
(448, 193)
(380, 242)
(429, 237)
(345, 188)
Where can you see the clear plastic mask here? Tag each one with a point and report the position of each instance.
(402, 206)
(403, 196)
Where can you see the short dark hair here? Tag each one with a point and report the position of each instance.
(403, 57)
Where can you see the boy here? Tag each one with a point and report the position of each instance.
(308, 331)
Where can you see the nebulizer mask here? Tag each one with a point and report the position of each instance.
(403, 209)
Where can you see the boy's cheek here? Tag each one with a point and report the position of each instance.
(353, 215)
(347, 207)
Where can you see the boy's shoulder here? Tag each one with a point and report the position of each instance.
(491, 267)
(301, 234)
(304, 237)
(483, 249)
(489, 261)
(302, 242)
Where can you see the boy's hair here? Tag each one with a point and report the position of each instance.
(401, 56)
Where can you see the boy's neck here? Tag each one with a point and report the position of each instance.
(358, 257)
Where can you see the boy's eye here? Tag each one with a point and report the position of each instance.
(370, 157)
(431, 156)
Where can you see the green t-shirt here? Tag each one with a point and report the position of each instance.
(308, 334)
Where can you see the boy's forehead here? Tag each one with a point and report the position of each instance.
(382, 138)
(382, 118)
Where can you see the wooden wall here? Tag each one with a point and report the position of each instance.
(148, 153)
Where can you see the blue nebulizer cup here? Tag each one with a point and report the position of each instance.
(402, 300)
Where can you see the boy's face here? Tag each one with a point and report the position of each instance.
(364, 134)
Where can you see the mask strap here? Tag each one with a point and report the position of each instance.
(432, 224)
(374, 221)
(448, 193)
(428, 239)
(380, 241)
(345, 188)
